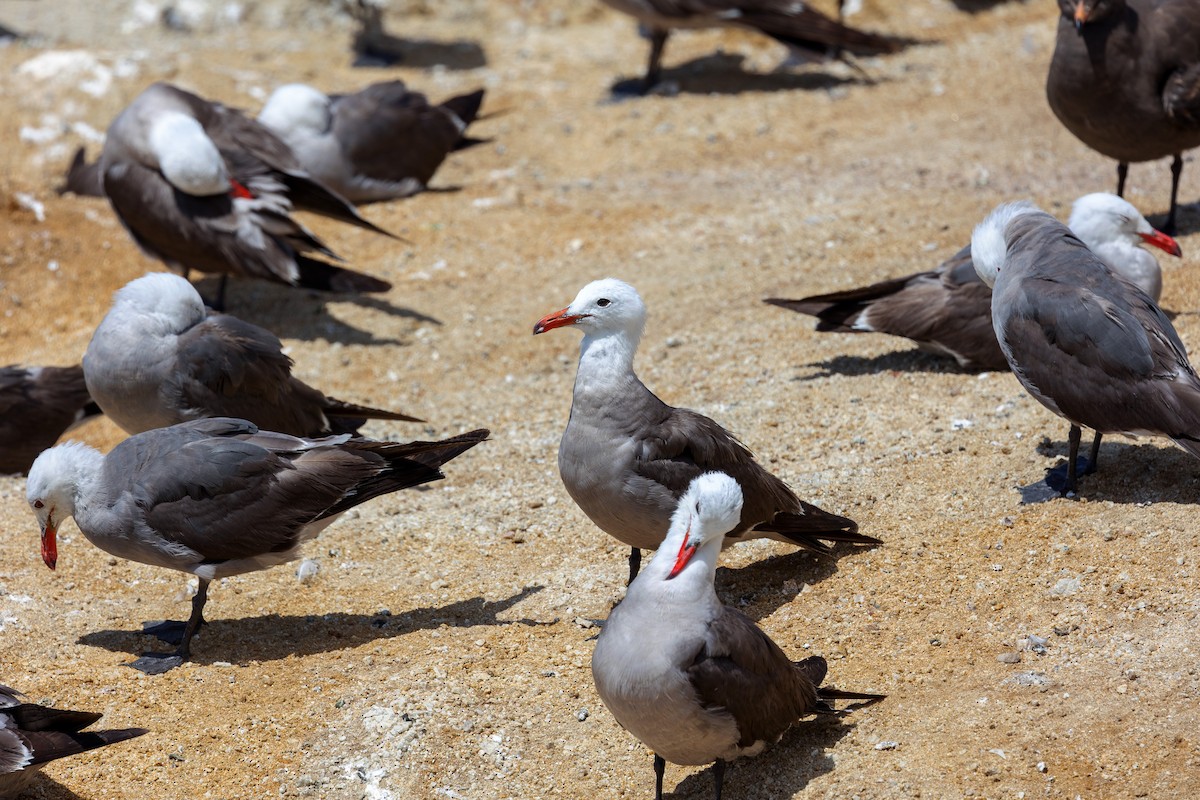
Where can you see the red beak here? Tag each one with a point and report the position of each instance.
(49, 544)
(685, 555)
(1162, 242)
(1081, 15)
(237, 189)
(559, 319)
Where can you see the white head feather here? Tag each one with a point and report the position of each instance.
(163, 296)
(296, 105)
(186, 156)
(989, 244)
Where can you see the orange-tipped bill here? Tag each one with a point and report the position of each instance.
(1081, 14)
(49, 544)
(559, 319)
(1162, 242)
(686, 551)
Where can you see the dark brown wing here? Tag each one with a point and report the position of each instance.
(741, 670)
(1181, 95)
(37, 407)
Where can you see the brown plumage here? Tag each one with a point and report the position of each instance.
(808, 32)
(200, 186)
(37, 405)
(32, 735)
(1125, 80)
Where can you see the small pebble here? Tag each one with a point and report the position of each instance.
(1009, 658)
(887, 745)
(581, 714)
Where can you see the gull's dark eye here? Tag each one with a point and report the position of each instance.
(38, 504)
(604, 302)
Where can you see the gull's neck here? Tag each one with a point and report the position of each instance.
(605, 360)
(691, 588)
(1134, 264)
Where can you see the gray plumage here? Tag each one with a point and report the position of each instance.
(626, 456)
(1125, 80)
(948, 311)
(694, 680)
(33, 735)
(200, 186)
(37, 405)
(1089, 346)
(219, 497)
(159, 357)
(808, 32)
(381, 143)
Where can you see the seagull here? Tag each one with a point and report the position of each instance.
(1125, 80)
(1090, 346)
(37, 405)
(808, 32)
(160, 357)
(200, 186)
(32, 735)
(626, 456)
(218, 497)
(698, 682)
(948, 311)
(382, 143)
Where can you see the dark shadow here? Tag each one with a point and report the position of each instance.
(46, 788)
(756, 589)
(1186, 223)
(975, 6)
(297, 313)
(386, 50)
(273, 637)
(723, 73)
(1128, 473)
(899, 361)
(8, 34)
(782, 770)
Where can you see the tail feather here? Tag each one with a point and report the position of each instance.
(51, 745)
(807, 529)
(352, 412)
(812, 31)
(315, 274)
(32, 717)
(310, 195)
(409, 464)
(82, 178)
(466, 106)
(838, 311)
(826, 695)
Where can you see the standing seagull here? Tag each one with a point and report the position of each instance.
(200, 186)
(1125, 79)
(695, 681)
(217, 497)
(33, 735)
(626, 457)
(808, 32)
(1089, 346)
(160, 357)
(37, 405)
(949, 310)
(382, 143)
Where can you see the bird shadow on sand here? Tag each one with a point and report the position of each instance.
(385, 50)
(782, 770)
(272, 637)
(723, 73)
(758, 589)
(303, 314)
(46, 788)
(976, 6)
(1137, 474)
(898, 361)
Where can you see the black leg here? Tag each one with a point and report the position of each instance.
(1122, 174)
(658, 41)
(158, 663)
(1176, 171)
(660, 766)
(1072, 453)
(718, 778)
(635, 563)
(195, 621)
(1094, 455)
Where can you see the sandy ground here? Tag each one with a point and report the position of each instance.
(443, 648)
